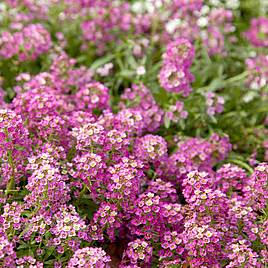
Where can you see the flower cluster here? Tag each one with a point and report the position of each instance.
(264, 240)
(92, 96)
(230, 178)
(107, 18)
(47, 186)
(125, 180)
(214, 103)
(15, 146)
(151, 148)
(140, 98)
(256, 188)
(257, 34)
(171, 245)
(175, 75)
(89, 257)
(176, 112)
(7, 253)
(195, 154)
(106, 219)
(217, 24)
(146, 220)
(27, 44)
(203, 245)
(241, 254)
(138, 251)
(165, 190)
(28, 261)
(258, 72)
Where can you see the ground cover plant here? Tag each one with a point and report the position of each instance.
(134, 133)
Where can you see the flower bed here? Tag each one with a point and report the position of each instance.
(133, 134)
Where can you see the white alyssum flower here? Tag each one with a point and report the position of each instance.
(140, 70)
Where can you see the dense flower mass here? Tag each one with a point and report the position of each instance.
(258, 32)
(258, 71)
(133, 134)
(26, 44)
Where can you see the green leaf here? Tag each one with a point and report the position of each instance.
(49, 252)
(23, 246)
(101, 61)
(49, 262)
(126, 73)
(71, 153)
(166, 122)
(182, 124)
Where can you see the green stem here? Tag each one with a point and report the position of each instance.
(83, 191)
(242, 164)
(225, 82)
(11, 183)
(237, 77)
